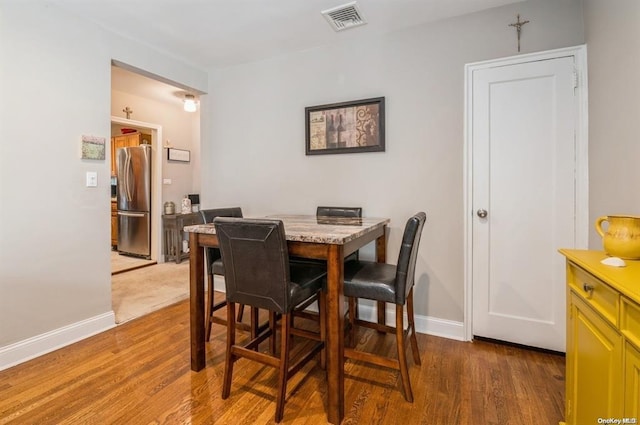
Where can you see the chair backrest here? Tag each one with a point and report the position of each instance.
(256, 262)
(209, 214)
(406, 268)
(339, 212)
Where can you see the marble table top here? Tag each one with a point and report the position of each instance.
(311, 228)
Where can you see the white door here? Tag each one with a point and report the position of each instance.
(523, 184)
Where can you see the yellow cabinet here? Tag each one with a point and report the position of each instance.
(603, 340)
(124, 141)
(632, 381)
(595, 350)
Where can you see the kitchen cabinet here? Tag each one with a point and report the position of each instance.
(114, 224)
(603, 339)
(172, 225)
(126, 140)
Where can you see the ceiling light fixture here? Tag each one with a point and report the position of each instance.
(190, 103)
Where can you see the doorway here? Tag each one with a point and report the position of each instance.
(526, 193)
(155, 108)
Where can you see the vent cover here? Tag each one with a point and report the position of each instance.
(344, 17)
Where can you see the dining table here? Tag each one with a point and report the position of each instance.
(308, 236)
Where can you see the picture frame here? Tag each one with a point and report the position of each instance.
(93, 147)
(345, 127)
(180, 155)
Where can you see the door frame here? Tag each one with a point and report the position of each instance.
(582, 158)
(156, 182)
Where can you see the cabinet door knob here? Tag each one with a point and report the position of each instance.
(587, 288)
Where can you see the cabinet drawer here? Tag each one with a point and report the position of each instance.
(596, 293)
(630, 320)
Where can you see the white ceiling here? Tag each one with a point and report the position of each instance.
(216, 33)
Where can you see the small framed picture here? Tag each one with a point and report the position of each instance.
(356, 126)
(93, 147)
(180, 155)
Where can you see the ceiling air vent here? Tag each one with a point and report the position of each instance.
(344, 16)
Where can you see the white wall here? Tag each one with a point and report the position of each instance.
(54, 257)
(253, 137)
(612, 33)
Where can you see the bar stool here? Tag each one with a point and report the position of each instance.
(322, 211)
(389, 284)
(258, 274)
(216, 267)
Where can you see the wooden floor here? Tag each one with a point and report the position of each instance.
(138, 373)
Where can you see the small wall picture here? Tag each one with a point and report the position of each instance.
(356, 126)
(93, 147)
(179, 155)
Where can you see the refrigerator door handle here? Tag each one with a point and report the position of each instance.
(130, 214)
(127, 174)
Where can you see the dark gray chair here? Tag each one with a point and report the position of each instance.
(347, 212)
(322, 211)
(339, 212)
(389, 284)
(215, 266)
(258, 274)
(354, 256)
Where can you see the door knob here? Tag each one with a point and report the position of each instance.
(482, 213)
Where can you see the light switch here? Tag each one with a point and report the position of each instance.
(166, 181)
(92, 179)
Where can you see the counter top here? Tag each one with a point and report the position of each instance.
(310, 228)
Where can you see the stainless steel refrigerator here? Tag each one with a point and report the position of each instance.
(134, 200)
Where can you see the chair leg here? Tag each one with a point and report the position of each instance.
(254, 324)
(272, 337)
(240, 312)
(353, 305)
(402, 354)
(354, 301)
(412, 329)
(284, 366)
(209, 312)
(322, 312)
(382, 314)
(229, 358)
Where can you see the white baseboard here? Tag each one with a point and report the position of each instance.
(28, 349)
(424, 324)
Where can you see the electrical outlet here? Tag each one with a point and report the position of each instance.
(92, 179)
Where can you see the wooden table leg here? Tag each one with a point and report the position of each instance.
(335, 333)
(381, 257)
(196, 290)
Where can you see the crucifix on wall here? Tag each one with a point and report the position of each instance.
(518, 26)
(128, 111)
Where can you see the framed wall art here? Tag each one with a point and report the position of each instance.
(93, 147)
(180, 155)
(347, 127)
